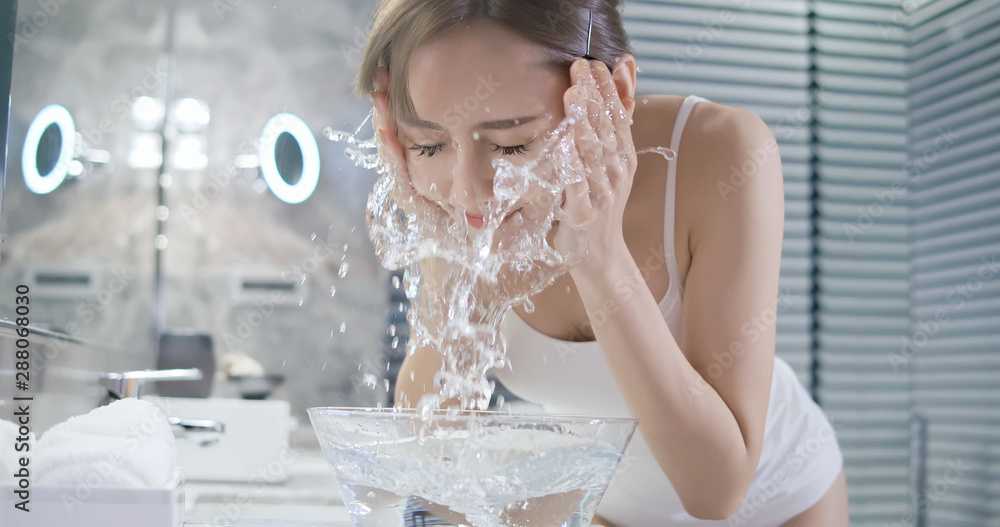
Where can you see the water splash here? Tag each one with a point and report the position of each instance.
(460, 280)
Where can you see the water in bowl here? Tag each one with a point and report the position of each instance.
(481, 469)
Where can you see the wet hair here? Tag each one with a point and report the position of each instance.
(559, 27)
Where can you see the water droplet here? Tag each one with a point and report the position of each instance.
(529, 306)
(333, 290)
(395, 282)
(162, 213)
(160, 241)
(412, 375)
(342, 272)
(665, 152)
(312, 237)
(343, 327)
(475, 135)
(301, 301)
(371, 381)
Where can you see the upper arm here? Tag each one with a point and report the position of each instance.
(731, 288)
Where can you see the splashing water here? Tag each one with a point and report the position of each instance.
(460, 280)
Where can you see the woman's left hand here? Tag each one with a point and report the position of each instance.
(592, 209)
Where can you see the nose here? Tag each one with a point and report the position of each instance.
(472, 182)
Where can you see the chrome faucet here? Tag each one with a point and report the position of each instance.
(130, 383)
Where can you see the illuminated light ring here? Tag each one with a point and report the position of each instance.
(39, 183)
(297, 128)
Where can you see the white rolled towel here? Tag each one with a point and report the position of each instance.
(9, 457)
(127, 443)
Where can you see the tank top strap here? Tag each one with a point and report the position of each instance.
(669, 206)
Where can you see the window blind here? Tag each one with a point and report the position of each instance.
(862, 260)
(753, 55)
(954, 163)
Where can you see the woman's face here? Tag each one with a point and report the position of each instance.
(481, 93)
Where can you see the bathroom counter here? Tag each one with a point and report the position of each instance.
(310, 497)
(265, 523)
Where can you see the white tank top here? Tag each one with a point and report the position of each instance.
(800, 457)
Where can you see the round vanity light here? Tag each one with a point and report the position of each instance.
(48, 149)
(289, 158)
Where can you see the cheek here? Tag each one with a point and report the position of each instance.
(429, 180)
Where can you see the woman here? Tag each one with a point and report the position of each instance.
(727, 435)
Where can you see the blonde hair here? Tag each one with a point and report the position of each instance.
(559, 27)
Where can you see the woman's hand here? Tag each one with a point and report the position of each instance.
(591, 214)
(399, 239)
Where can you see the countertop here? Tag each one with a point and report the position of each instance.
(310, 497)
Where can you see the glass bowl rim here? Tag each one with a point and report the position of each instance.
(409, 413)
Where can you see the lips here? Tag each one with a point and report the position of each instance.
(477, 222)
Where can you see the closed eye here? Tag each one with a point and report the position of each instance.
(429, 151)
(511, 150)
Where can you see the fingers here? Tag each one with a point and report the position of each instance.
(613, 103)
(606, 136)
(616, 120)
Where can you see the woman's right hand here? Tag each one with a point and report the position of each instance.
(422, 217)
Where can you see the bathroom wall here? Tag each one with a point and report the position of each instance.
(322, 317)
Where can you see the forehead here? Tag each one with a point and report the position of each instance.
(481, 70)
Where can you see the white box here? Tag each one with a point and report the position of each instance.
(84, 506)
(253, 447)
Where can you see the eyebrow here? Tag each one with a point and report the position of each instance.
(503, 124)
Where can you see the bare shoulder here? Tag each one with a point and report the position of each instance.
(723, 150)
(726, 144)
(733, 170)
(715, 134)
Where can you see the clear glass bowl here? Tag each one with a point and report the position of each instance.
(482, 469)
